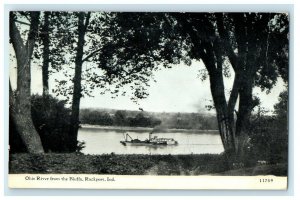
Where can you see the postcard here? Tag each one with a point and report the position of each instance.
(148, 100)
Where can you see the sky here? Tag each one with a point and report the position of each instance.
(178, 89)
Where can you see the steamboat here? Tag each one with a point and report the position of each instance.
(128, 140)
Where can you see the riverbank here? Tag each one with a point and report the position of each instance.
(72, 163)
(147, 129)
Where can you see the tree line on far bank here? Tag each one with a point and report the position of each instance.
(148, 119)
(118, 118)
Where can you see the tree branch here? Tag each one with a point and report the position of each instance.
(234, 93)
(91, 54)
(34, 25)
(11, 95)
(86, 23)
(25, 15)
(225, 40)
(240, 33)
(87, 20)
(24, 23)
(198, 44)
(15, 36)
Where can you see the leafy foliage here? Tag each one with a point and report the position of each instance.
(52, 123)
(281, 108)
(102, 72)
(269, 134)
(51, 120)
(62, 27)
(133, 47)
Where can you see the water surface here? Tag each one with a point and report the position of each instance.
(99, 141)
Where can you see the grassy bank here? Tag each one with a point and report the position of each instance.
(132, 165)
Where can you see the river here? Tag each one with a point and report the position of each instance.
(102, 141)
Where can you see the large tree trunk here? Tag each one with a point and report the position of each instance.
(73, 133)
(243, 119)
(225, 123)
(246, 104)
(234, 133)
(21, 106)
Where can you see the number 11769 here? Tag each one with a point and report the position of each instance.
(265, 180)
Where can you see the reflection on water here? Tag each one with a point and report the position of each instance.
(99, 141)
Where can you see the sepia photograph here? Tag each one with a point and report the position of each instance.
(188, 100)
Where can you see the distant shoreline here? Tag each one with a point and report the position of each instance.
(128, 128)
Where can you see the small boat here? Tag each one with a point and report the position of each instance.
(151, 141)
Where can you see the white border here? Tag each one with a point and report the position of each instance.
(96, 181)
(227, 8)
